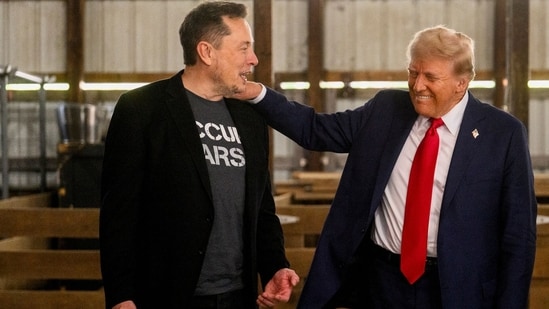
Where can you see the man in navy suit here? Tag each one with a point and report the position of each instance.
(481, 232)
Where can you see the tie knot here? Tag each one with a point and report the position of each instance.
(436, 122)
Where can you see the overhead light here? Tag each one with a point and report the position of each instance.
(538, 84)
(35, 87)
(299, 85)
(110, 86)
(294, 85)
(475, 84)
(488, 84)
(379, 84)
(331, 85)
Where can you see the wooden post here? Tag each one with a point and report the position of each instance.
(315, 71)
(264, 50)
(511, 65)
(75, 49)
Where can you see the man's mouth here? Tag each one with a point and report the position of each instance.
(245, 76)
(423, 97)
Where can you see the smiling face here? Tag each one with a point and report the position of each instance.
(434, 86)
(234, 58)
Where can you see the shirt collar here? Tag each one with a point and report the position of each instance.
(452, 119)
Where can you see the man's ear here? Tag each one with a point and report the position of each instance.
(462, 85)
(205, 51)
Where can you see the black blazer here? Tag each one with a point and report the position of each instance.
(157, 211)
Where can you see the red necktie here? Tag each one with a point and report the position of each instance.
(418, 205)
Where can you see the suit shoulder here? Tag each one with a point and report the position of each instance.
(392, 96)
(152, 89)
(388, 99)
(393, 93)
(497, 115)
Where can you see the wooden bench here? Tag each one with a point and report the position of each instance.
(310, 187)
(541, 186)
(539, 290)
(300, 241)
(29, 261)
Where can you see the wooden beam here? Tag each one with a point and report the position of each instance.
(75, 49)
(511, 64)
(500, 51)
(316, 97)
(372, 75)
(54, 222)
(263, 41)
(263, 72)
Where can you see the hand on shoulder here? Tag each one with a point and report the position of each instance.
(252, 91)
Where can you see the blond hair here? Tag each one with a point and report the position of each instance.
(445, 43)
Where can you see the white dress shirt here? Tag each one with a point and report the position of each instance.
(389, 217)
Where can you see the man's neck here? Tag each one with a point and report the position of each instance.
(197, 82)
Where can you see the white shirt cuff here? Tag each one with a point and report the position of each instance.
(260, 96)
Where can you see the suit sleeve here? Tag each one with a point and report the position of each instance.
(313, 131)
(518, 239)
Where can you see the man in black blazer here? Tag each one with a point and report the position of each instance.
(187, 217)
(482, 222)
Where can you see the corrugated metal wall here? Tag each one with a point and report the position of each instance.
(141, 36)
(126, 36)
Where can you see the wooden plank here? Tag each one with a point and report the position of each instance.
(539, 294)
(541, 265)
(19, 299)
(306, 197)
(317, 176)
(50, 264)
(34, 200)
(50, 222)
(304, 232)
(311, 218)
(541, 184)
(300, 259)
(543, 209)
(283, 199)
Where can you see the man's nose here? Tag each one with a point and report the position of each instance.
(253, 59)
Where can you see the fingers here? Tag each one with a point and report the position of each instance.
(265, 302)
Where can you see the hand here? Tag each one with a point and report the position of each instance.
(278, 289)
(251, 91)
(125, 305)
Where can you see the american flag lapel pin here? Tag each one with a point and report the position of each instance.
(475, 133)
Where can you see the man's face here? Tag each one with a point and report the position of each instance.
(235, 58)
(434, 87)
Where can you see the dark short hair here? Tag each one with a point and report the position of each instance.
(205, 23)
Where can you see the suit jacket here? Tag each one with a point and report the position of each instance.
(487, 228)
(157, 210)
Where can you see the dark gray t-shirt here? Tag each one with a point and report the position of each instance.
(222, 269)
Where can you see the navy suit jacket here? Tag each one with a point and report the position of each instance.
(157, 209)
(487, 228)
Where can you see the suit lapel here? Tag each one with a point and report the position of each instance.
(400, 127)
(180, 111)
(465, 148)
